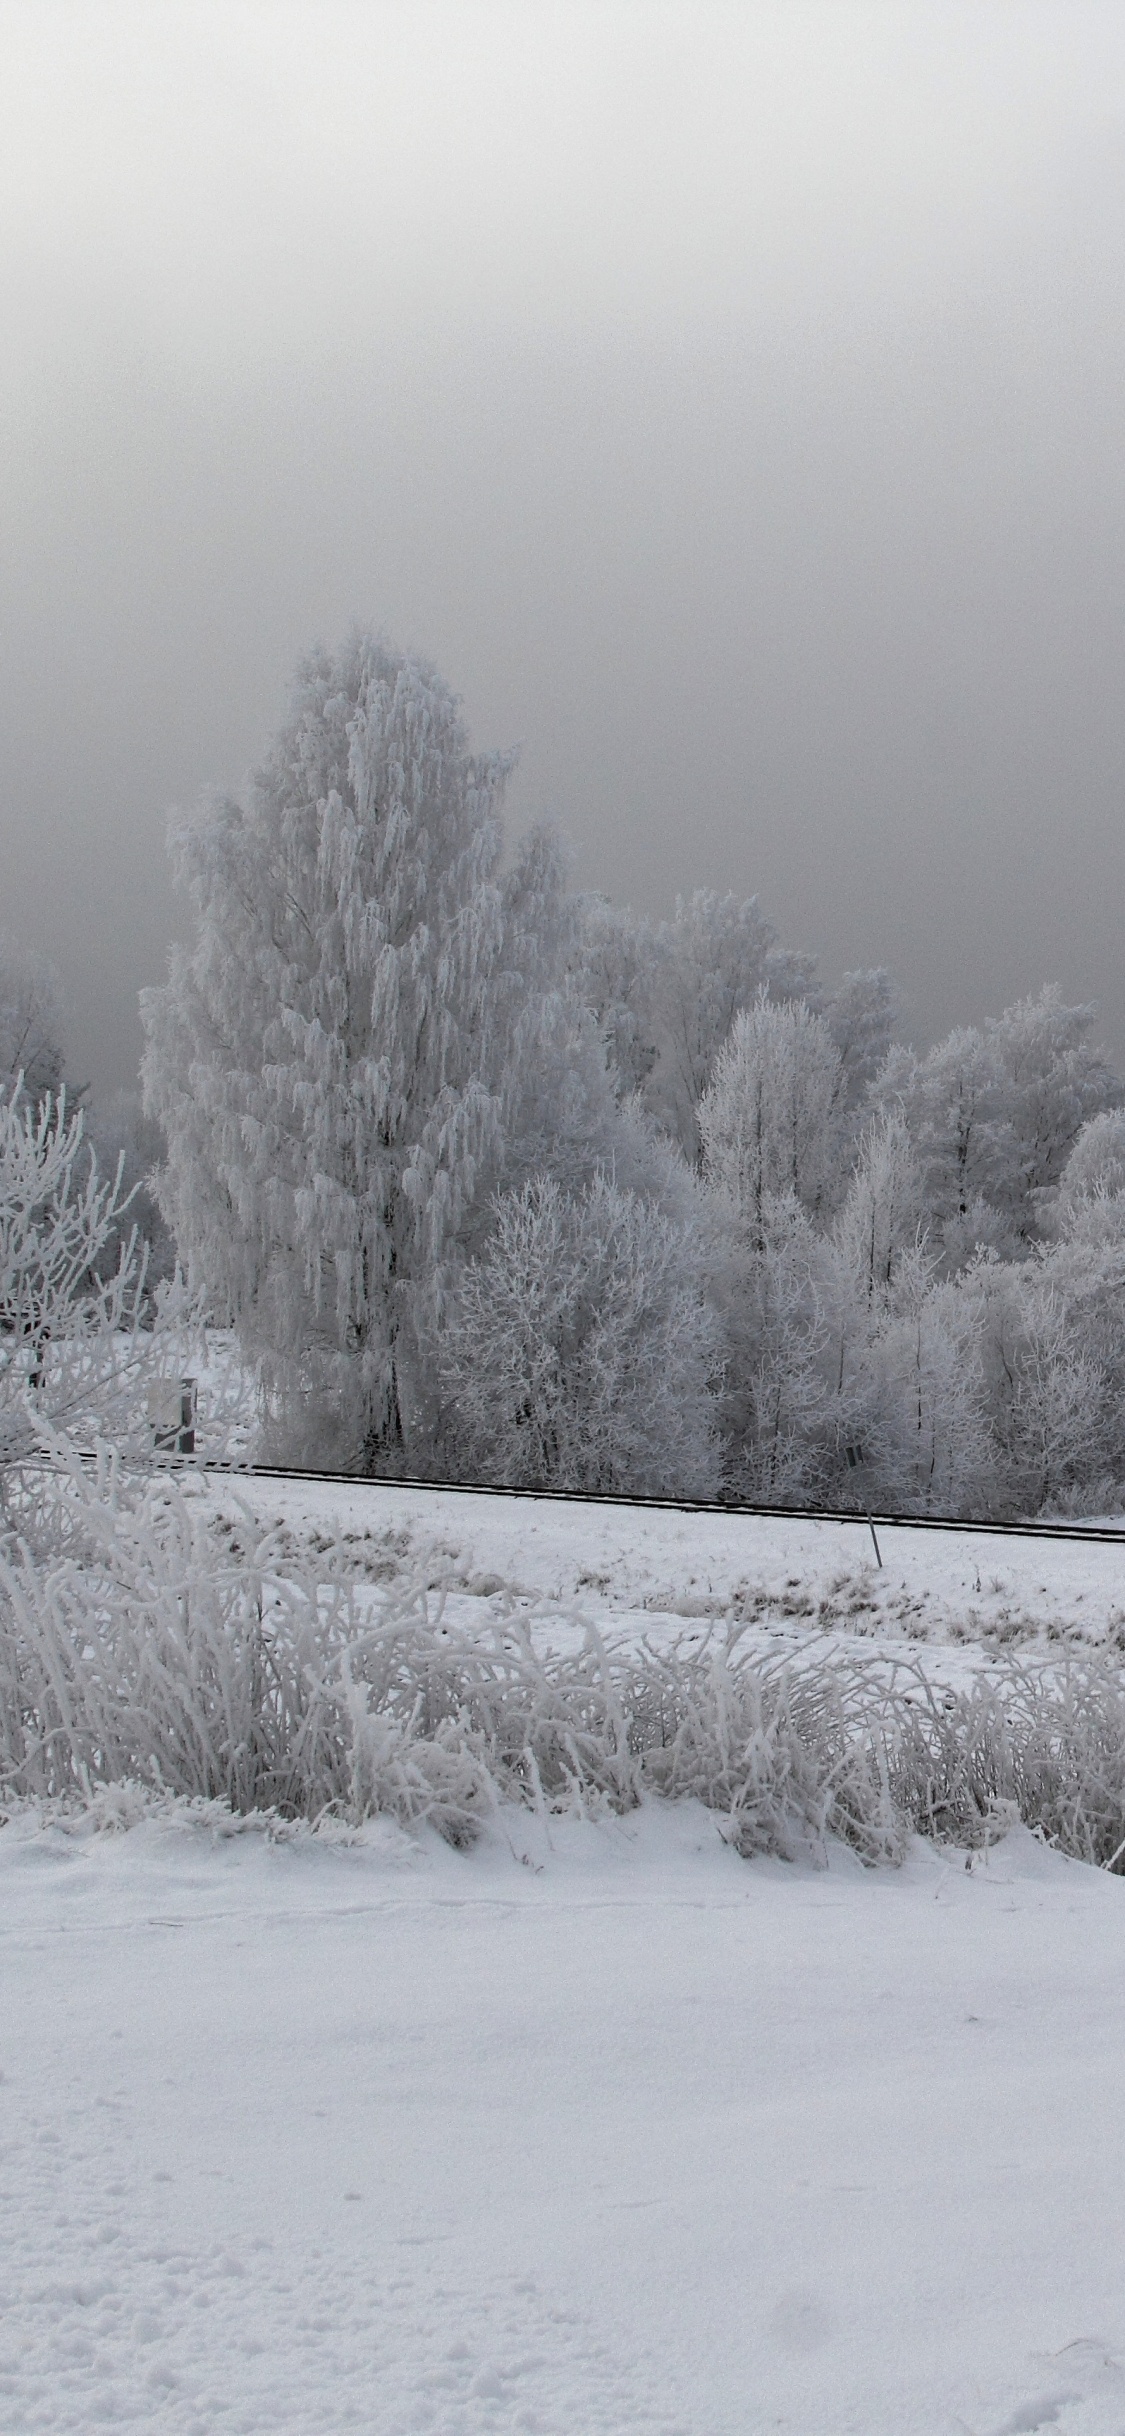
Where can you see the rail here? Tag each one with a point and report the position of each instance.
(1080, 1532)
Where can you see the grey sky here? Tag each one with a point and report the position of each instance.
(729, 399)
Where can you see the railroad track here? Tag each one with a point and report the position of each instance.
(1079, 1532)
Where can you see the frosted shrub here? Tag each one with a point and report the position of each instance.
(156, 1654)
(162, 1651)
(82, 1339)
(155, 1650)
(871, 1753)
(766, 1748)
(1045, 1744)
(578, 1352)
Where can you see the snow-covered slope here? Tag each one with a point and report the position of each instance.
(611, 2136)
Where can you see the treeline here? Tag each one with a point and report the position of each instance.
(500, 1183)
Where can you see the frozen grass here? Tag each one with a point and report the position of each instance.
(158, 1651)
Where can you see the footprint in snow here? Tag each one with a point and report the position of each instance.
(800, 2322)
(1042, 2413)
(1093, 2373)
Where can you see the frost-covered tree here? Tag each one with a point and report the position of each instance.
(1049, 1395)
(878, 1237)
(994, 1112)
(73, 1347)
(577, 1351)
(875, 1269)
(952, 1104)
(665, 995)
(614, 963)
(769, 1125)
(127, 1142)
(330, 1059)
(861, 1016)
(927, 1431)
(769, 1121)
(1096, 1166)
(777, 1405)
(711, 960)
(1054, 1079)
(31, 1028)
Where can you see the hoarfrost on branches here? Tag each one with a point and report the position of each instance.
(579, 1352)
(769, 1120)
(31, 1025)
(330, 1059)
(462, 1156)
(72, 1342)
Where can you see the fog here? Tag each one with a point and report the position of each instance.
(727, 399)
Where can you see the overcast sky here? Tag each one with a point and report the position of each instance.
(730, 400)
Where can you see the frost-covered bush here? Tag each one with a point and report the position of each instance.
(160, 1651)
(152, 1649)
(578, 1352)
(84, 1346)
(1044, 1744)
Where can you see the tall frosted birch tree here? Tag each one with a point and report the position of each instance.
(329, 1058)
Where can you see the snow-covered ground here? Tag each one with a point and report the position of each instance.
(595, 2131)
(610, 2136)
(655, 1571)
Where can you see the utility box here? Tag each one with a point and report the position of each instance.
(171, 1411)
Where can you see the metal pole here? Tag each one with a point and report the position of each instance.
(855, 1463)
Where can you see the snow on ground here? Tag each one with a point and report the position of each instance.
(651, 1571)
(601, 2132)
(615, 2135)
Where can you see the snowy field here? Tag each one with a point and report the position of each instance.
(652, 1574)
(595, 2130)
(616, 2134)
